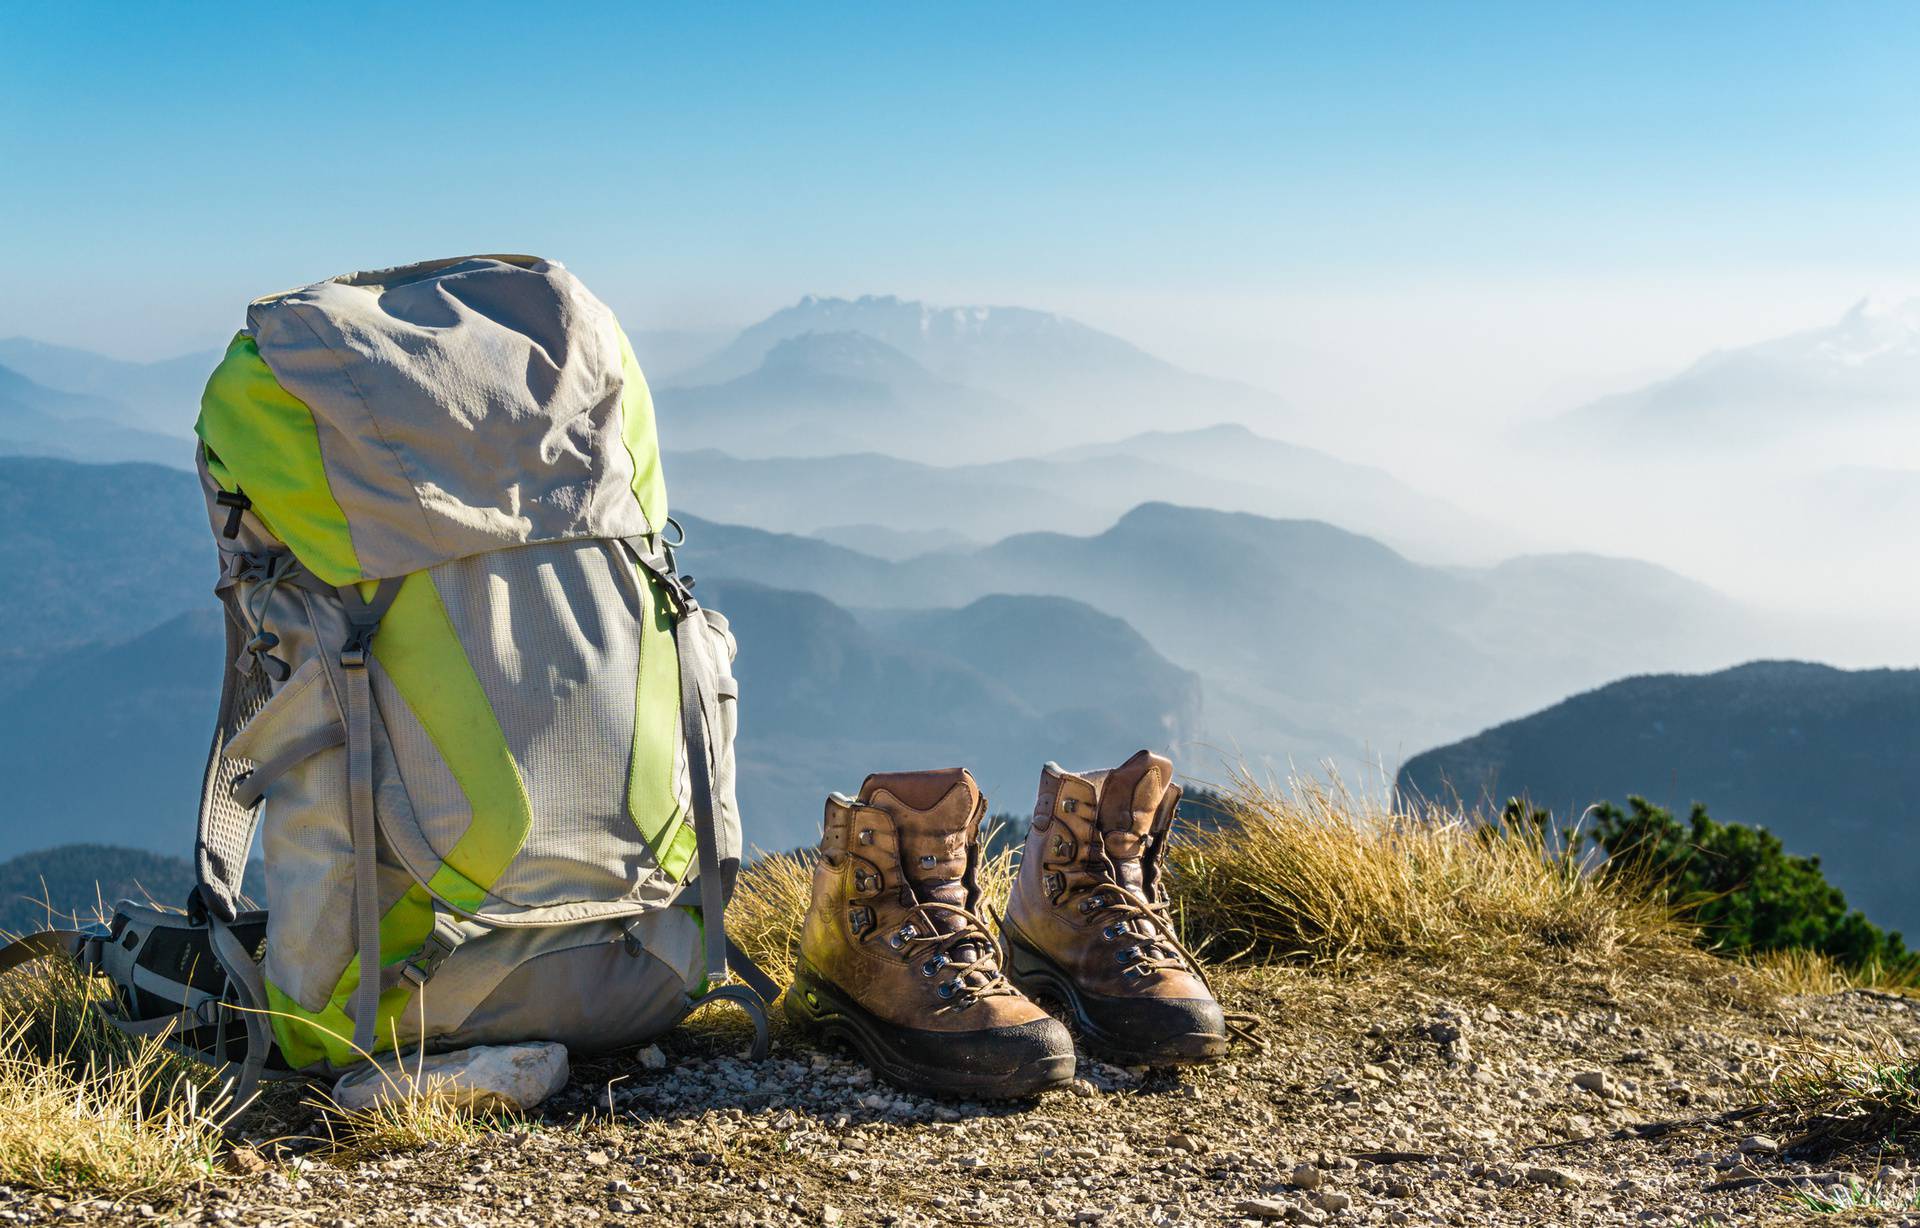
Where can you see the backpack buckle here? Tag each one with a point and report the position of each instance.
(419, 967)
(353, 653)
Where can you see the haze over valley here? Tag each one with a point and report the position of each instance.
(996, 535)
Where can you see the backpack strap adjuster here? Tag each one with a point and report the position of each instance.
(418, 968)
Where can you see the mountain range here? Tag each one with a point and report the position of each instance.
(1031, 565)
(1308, 643)
(1313, 643)
(1859, 374)
(96, 553)
(1078, 490)
(36, 420)
(821, 393)
(1823, 757)
(1076, 380)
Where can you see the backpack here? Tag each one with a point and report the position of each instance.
(483, 728)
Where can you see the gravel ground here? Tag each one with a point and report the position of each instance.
(1390, 1096)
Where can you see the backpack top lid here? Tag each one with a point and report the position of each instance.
(387, 421)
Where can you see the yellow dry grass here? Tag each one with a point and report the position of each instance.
(1321, 877)
(88, 1111)
(1811, 972)
(412, 1115)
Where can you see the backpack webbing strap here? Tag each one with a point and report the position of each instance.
(699, 711)
(44, 945)
(250, 989)
(696, 684)
(250, 787)
(749, 972)
(363, 620)
(697, 703)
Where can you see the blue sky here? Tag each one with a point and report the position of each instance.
(1245, 184)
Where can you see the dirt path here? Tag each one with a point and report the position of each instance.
(1395, 1096)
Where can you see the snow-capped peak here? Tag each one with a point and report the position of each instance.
(1873, 328)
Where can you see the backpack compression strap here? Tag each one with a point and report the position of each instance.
(699, 701)
(45, 945)
(363, 620)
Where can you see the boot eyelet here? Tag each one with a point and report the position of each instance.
(1127, 955)
(934, 965)
(866, 835)
(1093, 903)
(898, 938)
(1114, 931)
(947, 989)
(1060, 847)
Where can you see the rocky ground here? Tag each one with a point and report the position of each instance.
(1395, 1095)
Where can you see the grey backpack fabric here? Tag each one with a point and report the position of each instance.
(479, 723)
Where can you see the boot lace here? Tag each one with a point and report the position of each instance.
(961, 953)
(1134, 915)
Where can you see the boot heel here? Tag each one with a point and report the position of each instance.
(808, 1012)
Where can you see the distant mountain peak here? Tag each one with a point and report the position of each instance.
(880, 313)
(1880, 305)
(844, 353)
(1862, 364)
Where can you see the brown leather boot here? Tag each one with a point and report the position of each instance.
(894, 959)
(1086, 923)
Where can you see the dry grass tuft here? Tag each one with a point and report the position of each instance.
(768, 908)
(1323, 878)
(411, 1117)
(1864, 1109)
(86, 1110)
(1799, 972)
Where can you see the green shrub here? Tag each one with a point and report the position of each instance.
(1741, 886)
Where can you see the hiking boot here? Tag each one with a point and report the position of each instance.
(1087, 925)
(894, 959)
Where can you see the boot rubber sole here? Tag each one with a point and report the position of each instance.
(1029, 1058)
(1037, 976)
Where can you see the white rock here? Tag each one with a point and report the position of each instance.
(483, 1077)
(1306, 1177)
(651, 1058)
(1758, 1144)
(1595, 1081)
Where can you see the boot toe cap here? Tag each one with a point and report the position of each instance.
(1014, 1058)
(1154, 1030)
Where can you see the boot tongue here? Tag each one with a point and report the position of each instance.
(1130, 798)
(935, 817)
